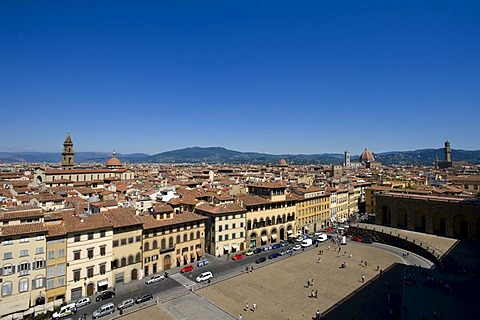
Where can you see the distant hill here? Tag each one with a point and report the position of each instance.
(222, 155)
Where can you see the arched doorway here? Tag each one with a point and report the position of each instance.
(40, 301)
(134, 274)
(90, 289)
(282, 234)
(167, 262)
(263, 237)
(274, 235)
(253, 240)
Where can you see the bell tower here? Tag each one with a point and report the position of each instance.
(447, 151)
(68, 154)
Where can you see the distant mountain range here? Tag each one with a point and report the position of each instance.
(222, 155)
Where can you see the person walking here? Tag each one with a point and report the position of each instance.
(363, 278)
(240, 317)
(254, 307)
(316, 294)
(246, 307)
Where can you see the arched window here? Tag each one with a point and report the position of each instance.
(147, 246)
(130, 259)
(163, 244)
(115, 264)
(273, 220)
(137, 257)
(123, 262)
(7, 288)
(170, 242)
(185, 237)
(23, 285)
(178, 239)
(198, 234)
(191, 236)
(154, 244)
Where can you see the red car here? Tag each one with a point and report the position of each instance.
(237, 256)
(186, 268)
(357, 239)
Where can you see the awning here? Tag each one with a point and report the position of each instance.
(234, 246)
(186, 257)
(193, 255)
(226, 247)
(306, 227)
(289, 231)
(179, 259)
(274, 236)
(264, 238)
(102, 283)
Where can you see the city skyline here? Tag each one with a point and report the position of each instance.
(278, 78)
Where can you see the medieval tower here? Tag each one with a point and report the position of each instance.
(68, 154)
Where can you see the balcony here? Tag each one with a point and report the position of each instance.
(166, 249)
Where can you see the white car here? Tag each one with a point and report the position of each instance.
(299, 239)
(126, 304)
(64, 311)
(83, 302)
(249, 253)
(297, 247)
(207, 275)
(155, 278)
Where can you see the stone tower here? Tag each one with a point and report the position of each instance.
(68, 154)
(447, 152)
(346, 162)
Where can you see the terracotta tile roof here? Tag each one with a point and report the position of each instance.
(160, 207)
(149, 222)
(122, 217)
(251, 200)
(220, 209)
(56, 230)
(268, 185)
(107, 203)
(24, 228)
(16, 213)
(74, 223)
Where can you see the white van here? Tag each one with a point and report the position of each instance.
(64, 311)
(343, 240)
(104, 310)
(307, 243)
(322, 237)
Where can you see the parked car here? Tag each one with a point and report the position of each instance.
(274, 255)
(207, 275)
(283, 252)
(83, 302)
(105, 295)
(260, 260)
(238, 256)
(322, 237)
(357, 239)
(284, 243)
(267, 247)
(249, 253)
(367, 240)
(288, 251)
(276, 246)
(126, 304)
(155, 278)
(257, 250)
(299, 239)
(297, 247)
(186, 268)
(104, 310)
(316, 234)
(64, 311)
(144, 297)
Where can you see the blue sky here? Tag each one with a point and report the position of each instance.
(264, 76)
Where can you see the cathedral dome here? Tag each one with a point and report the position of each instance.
(114, 161)
(367, 156)
(282, 162)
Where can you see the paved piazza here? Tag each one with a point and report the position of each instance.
(280, 289)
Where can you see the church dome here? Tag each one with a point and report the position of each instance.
(282, 162)
(367, 156)
(114, 161)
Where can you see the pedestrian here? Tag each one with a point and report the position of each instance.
(319, 260)
(312, 294)
(316, 294)
(311, 283)
(365, 263)
(246, 307)
(308, 283)
(350, 255)
(328, 248)
(254, 306)
(363, 278)
(240, 317)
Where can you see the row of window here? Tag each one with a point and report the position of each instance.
(23, 284)
(60, 270)
(23, 239)
(51, 253)
(90, 235)
(226, 236)
(23, 268)
(102, 269)
(23, 253)
(163, 242)
(126, 241)
(241, 215)
(234, 225)
(60, 282)
(77, 254)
